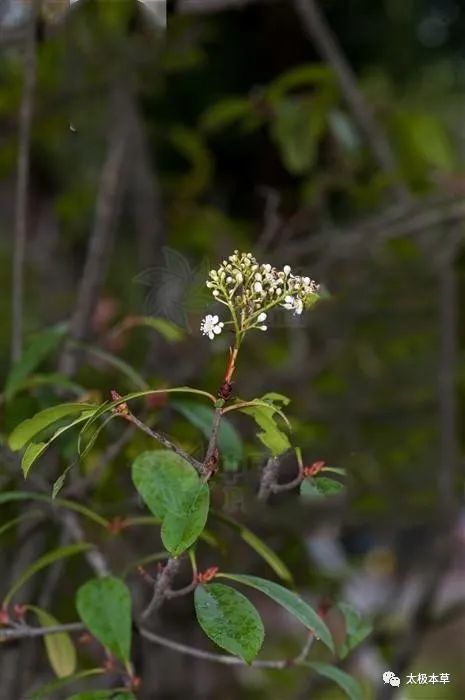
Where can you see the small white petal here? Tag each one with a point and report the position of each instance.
(258, 287)
(263, 328)
(286, 269)
(216, 293)
(211, 335)
(214, 319)
(261, 317)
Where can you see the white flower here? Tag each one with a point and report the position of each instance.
(286, 269)
(211, 326)
(261, 317)
(294, 304)
(262, 328)
(258, 287)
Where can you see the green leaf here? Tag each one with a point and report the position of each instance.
(60, 481)
(224, 113)
(173, 492)
(35, 449)
(104, 606)
(319, 486)
(275, 399)
(357, 629)
(8, 496)
(229, 441)
(348, 684)
(300, 76)
(44, 561)
(59, 646)
(46, 692)
(290, 601)
(28, 429)
(43, 345)
(110, 405)
(274, 439)
(260, 547)
(230, 620)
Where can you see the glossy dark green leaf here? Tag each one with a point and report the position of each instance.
(290, 601)
(173, 491)
(104, 606)
(229, 619)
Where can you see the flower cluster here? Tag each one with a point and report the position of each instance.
(250, 289)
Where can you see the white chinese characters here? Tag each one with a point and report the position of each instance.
(416, 678)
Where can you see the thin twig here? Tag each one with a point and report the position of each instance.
(22, 183)
(320, 33)
(160, 437)
(26, 632)
(162, 587)
(269, 477)
(289, 485)
(212, 443)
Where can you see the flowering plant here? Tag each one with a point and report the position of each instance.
(175, 487)
(250, 290)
